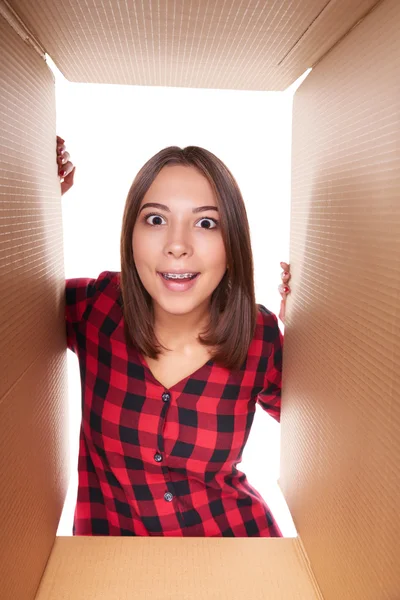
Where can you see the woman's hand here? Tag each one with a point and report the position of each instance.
(66, 169)
(284, 289)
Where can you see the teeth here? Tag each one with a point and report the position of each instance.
(177, 275)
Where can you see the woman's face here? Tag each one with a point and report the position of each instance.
(177, 231)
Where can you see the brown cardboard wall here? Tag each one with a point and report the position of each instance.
(340, 427)
(243, 45)
(154, 568)
(33, 469)
(340, 447)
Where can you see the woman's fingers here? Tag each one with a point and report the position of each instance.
(64, 165)
(284, 289)
(68, 181)
(63, 158)
(285, 275)
(60, 147)
(65, 170)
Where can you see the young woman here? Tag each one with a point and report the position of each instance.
(174, 355)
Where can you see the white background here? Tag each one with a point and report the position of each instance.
(110, 132)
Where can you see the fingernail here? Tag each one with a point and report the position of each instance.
(286, 289)
(63, 173)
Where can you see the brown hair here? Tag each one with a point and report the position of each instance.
(233, 310)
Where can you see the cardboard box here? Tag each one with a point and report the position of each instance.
(340, 421)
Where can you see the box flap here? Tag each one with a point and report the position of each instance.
(340, 444)
(89, 568)
(33, 451)
(235, 45)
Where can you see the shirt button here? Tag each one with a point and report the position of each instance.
(166, 396)
(158, 457)
(168, 496)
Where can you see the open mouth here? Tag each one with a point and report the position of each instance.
(179, 282)
(179, 277)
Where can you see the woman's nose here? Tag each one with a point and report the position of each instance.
(177, 249)
(176, 253)
(178, 243)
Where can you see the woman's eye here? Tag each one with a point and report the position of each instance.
(205, 222)
(208, 226)
(157, 219)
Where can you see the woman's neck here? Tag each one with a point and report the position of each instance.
(179, 331)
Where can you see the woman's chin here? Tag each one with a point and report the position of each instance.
(177, 306)
(180, 304)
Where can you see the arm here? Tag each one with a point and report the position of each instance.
(78, 292)
(270, 396)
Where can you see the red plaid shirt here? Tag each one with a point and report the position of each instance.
(163, 462)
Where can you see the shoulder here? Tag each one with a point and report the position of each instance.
(267, 334)
(266, 342)
(267, 324)
(269, 338)
(107, 286)
(87, 290)
(105, 302)
(109, 280)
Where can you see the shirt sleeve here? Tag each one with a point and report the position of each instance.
(270, 396)
(78, 292)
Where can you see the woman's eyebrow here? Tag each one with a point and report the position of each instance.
(202, 208)
(164, 207)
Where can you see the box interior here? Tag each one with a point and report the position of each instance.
(340, 415)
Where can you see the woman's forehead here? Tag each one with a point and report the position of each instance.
(182, 185)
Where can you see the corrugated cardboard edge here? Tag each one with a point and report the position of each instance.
(21, 29)
(268, 44)
(307, 565)
(33, 381)
(356, 24)
(340, 447)
(305, 560)
(88, 568)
